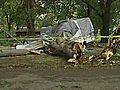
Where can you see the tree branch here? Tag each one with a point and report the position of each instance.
(92, 8)
(113, 1)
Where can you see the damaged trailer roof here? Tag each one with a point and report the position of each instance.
(79, 30)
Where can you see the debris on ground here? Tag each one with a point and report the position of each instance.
(73, 40)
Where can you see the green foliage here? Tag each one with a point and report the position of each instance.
(55, 10)
(48, 20)
(115, 14)
(20, 15)
(2, 34)
(4, 40)
(6, 43)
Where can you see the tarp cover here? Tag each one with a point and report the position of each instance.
(79, 30)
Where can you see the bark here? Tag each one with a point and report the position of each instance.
(61, 49)
(88, 11)
(106, 7)
(66, 48)
(30, 19)
(13, 52)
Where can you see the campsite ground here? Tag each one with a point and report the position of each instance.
(46, 72)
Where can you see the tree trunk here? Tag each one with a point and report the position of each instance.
(30, 19)
(106, 24)
(106, 7)
(13, 52)
(88, 10)
(61, 49)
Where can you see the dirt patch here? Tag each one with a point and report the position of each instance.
(45, 61)
(46, 72)
(62, 79)
(32, 61)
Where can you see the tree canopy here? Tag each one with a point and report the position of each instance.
(33, 14)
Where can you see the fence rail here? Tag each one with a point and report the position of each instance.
(34, 38)
(116, 36)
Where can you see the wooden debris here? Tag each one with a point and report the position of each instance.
(78, 53)
(36, 51)
(103, 57)
(62, 48)
(118, 29)
(108, 52)
(13, 52)
(31, 46)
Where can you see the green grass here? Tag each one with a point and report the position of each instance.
(7, 42)
(116, 57)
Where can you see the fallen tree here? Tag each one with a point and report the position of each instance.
(13, 52)
(61, 48)
(107, 52)
(75, 52)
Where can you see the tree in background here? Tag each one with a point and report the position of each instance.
(104, 12)
(27, 13)
(29, 7)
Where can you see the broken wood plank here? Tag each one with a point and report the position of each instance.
(32, 45)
